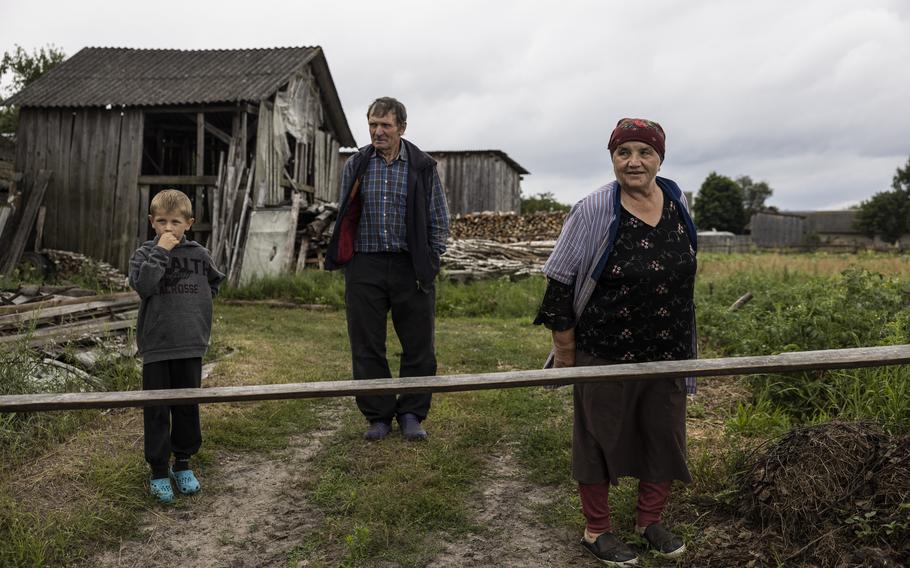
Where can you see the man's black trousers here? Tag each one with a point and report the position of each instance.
(376, 283)
(171, 429)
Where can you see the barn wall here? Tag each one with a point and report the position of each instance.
(92, 200)
(479, 182)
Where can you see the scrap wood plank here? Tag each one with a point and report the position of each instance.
(26, 222)
(120, 320)
(783, 363)
(40, 311)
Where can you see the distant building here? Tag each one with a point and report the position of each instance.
(477, 180)
(813, 229)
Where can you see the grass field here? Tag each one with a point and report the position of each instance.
(72, 484)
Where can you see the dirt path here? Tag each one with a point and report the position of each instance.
(253, 512)
(514, 537)
(253, 519)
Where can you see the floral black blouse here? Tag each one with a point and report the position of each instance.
(642, 306)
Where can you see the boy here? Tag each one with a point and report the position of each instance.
(176, 280)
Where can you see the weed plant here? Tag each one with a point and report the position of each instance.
(794, 311)
(23, 371)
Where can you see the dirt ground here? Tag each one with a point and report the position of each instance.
(251, 514)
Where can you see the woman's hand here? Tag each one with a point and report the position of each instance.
(564, 348)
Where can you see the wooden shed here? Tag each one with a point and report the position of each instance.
(117, 125)
(478, 180)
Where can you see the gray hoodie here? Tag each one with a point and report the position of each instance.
(176, 288)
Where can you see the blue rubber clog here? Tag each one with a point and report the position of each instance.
(186, 481)
(161, 490)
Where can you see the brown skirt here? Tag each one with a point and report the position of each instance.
(629, 429)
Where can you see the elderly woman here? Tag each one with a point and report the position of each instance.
(620, 290)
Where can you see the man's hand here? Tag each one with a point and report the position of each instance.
(564, 348)
(168, 241)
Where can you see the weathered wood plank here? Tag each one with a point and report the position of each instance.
(107, 188)
(61, 301)
(26, 222)
(124, 320)
(41, 312)
(129, 168)
(783, 363)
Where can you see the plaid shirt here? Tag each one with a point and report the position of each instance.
(384, 192)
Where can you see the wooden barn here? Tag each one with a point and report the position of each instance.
(239, 130)
(477, 180)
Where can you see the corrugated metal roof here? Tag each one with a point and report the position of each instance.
(99, 76)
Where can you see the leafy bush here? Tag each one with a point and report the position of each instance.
(794, 312)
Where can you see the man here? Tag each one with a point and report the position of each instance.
(392, 226)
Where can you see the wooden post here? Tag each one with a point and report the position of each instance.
(26, 222)
(39, 227)
(143, 231)
(199, 206)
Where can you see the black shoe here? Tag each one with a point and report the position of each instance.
(410, 427)
(611, 551)
(663, 542)
(377, 431)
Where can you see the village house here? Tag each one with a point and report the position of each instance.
(249, 134)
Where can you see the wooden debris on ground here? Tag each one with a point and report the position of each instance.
(39, 316)
(477, 259)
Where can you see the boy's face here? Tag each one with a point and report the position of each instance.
(171, 222)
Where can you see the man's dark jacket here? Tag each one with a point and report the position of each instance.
(420, 185)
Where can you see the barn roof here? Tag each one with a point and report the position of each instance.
(443, 153)
(498, 153)
(101, 76)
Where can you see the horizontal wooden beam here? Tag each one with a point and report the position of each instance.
(783, 363)
(178, 180)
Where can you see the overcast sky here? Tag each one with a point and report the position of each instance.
(812, 96)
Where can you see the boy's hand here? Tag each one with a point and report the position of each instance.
(564, 348)
(168, 241)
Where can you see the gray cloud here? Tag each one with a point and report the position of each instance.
(809, 96)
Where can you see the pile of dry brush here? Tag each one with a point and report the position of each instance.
(836, 494)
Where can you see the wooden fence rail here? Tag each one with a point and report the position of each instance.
(783, 363)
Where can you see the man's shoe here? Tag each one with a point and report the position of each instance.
(611, 551)
(410, 427)
(662, 541)
(377, 431)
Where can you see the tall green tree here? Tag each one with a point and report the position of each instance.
(887, 213)
(541, 202)
(24, 68)
(719, 205)
(755, 194)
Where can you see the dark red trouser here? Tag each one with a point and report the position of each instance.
(652, 498)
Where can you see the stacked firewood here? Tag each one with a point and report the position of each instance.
(476, 259)
(42, 315)
(507, 227)
(314, 231)
(481, 245)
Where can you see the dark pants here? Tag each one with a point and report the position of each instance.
(374, 284)
(171, 428)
